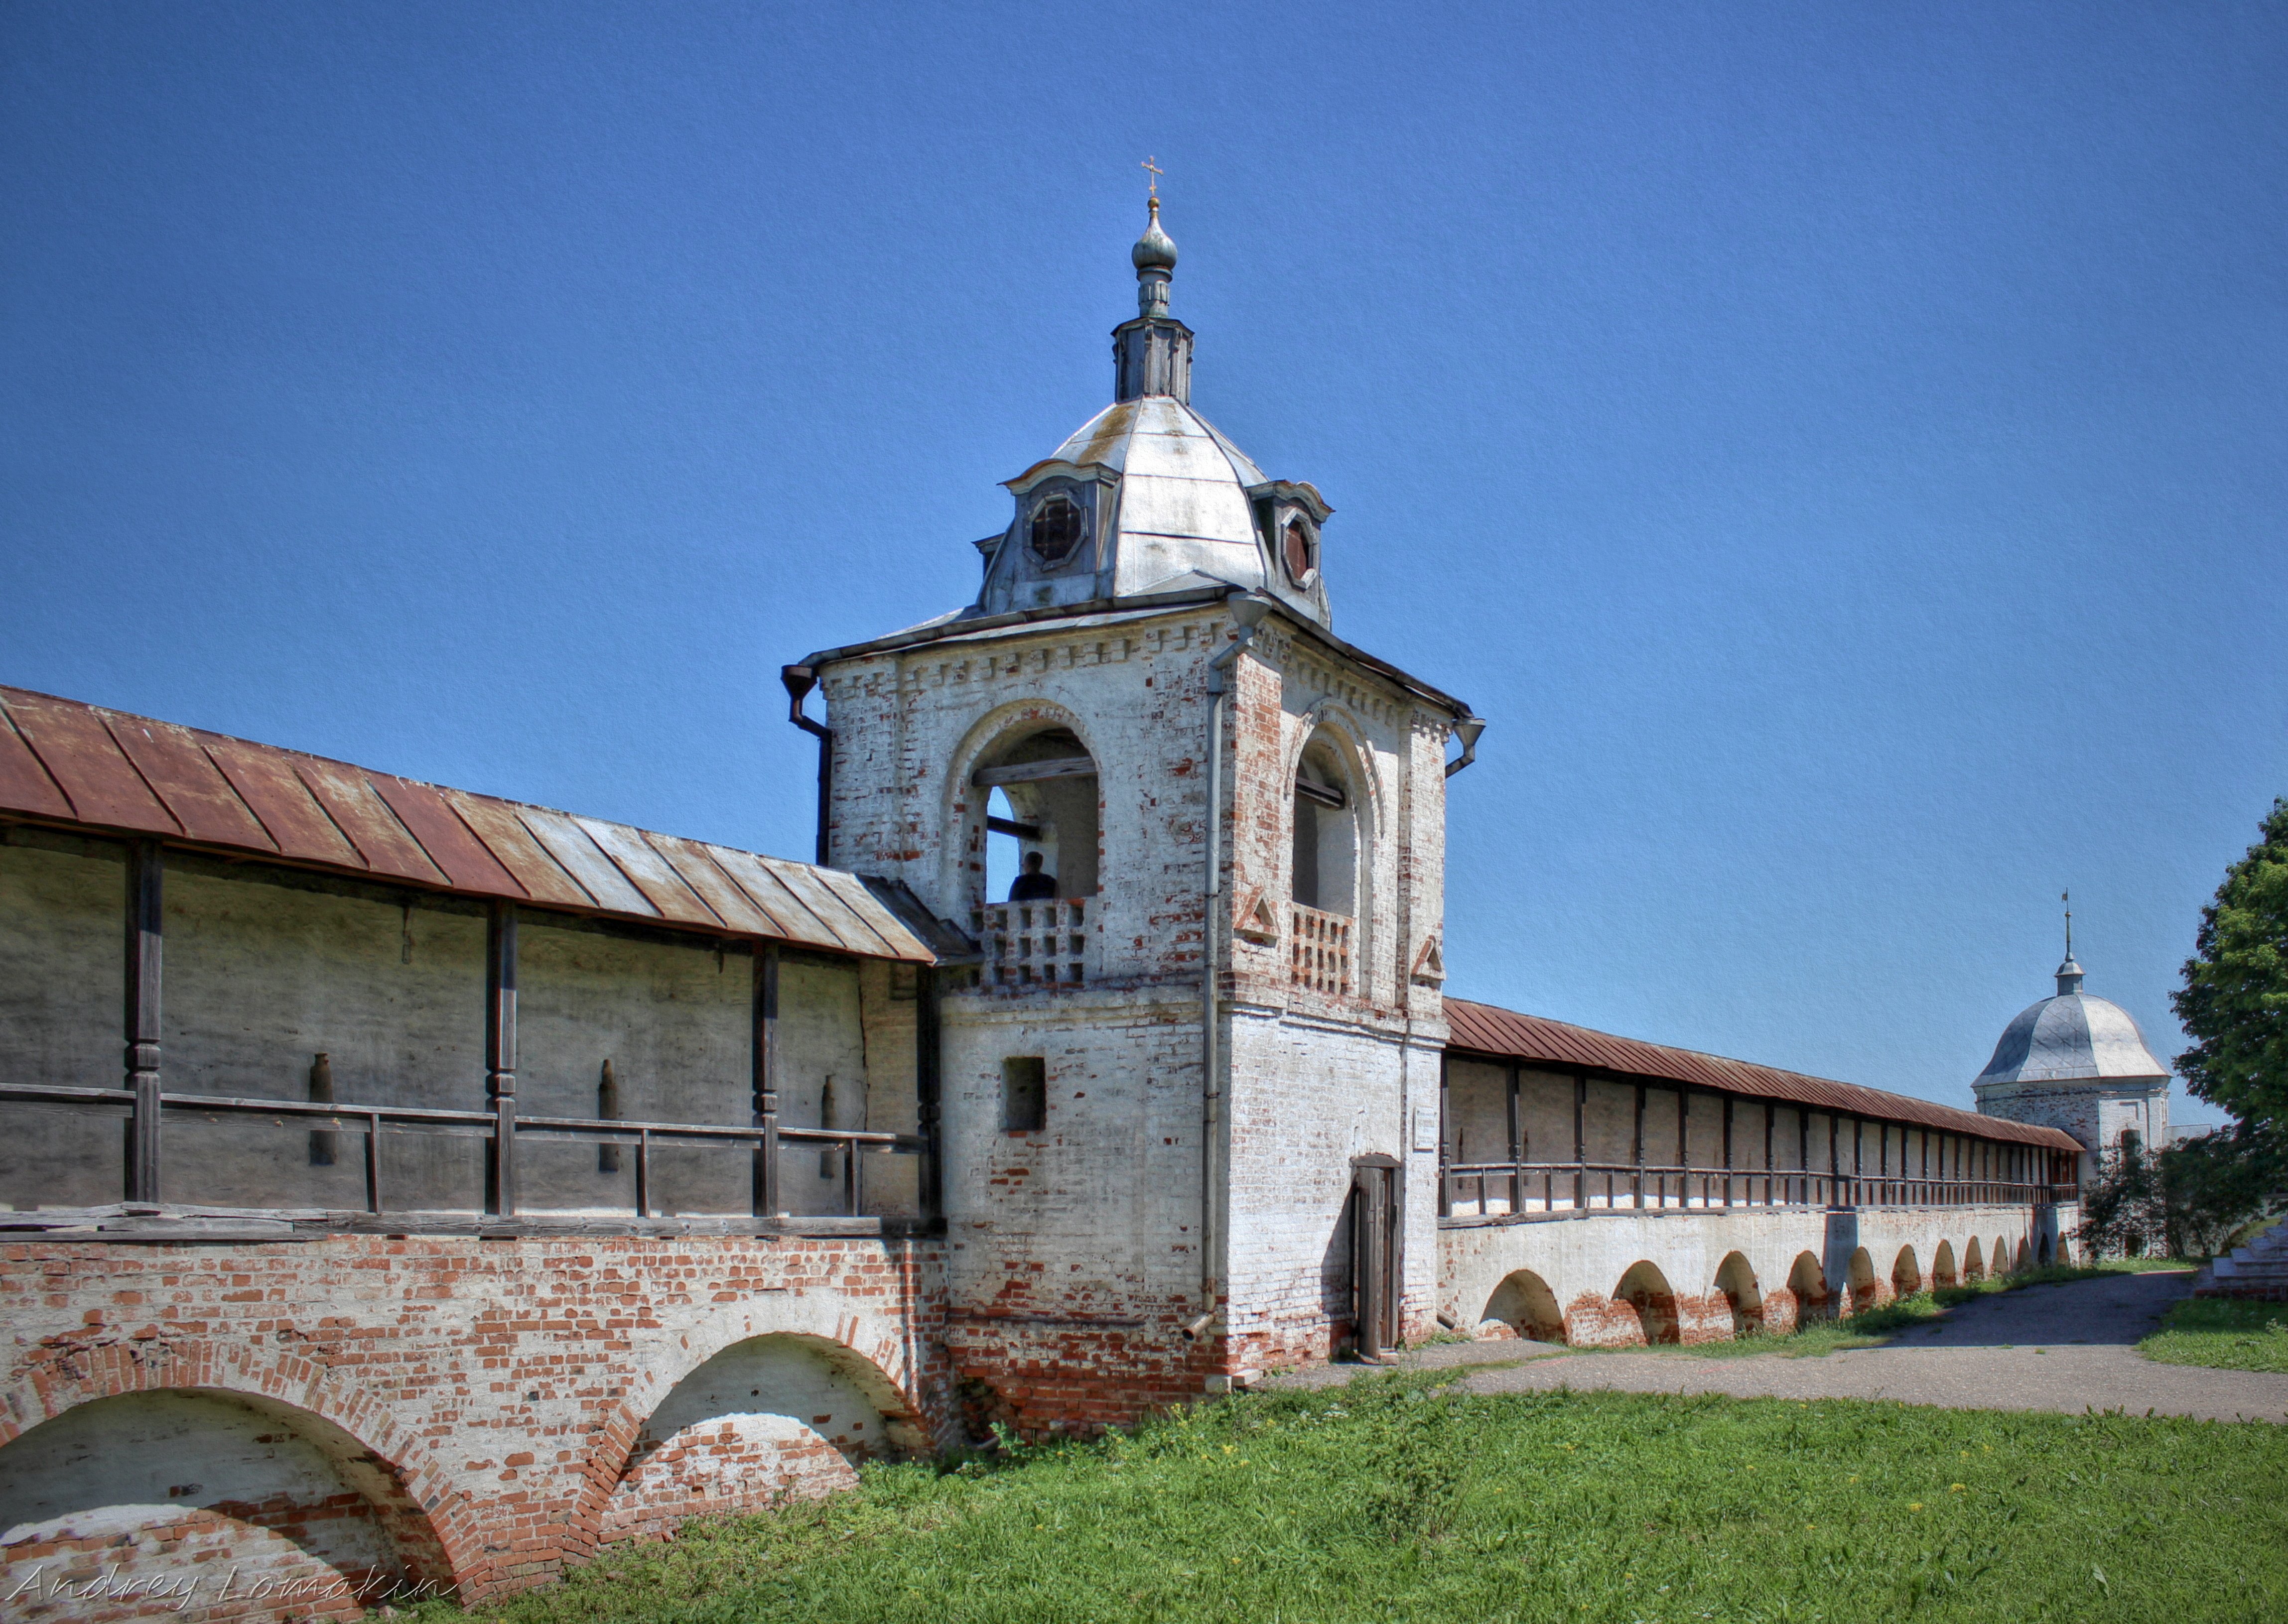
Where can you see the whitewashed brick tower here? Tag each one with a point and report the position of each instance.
(1142, 1205)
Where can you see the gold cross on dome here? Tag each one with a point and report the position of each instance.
(1153, 164)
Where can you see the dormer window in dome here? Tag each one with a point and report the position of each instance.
(1055, 527)
(1299, 552)
(1288, 515)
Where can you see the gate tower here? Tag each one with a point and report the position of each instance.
(1147, 696)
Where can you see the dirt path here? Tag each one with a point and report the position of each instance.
(2066, 1348)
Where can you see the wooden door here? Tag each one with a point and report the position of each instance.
(1374, 1255)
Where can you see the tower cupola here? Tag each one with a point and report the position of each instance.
(1152, 355)
(1147, 496)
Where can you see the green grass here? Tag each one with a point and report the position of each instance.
(2223, 1334)
(1388, 1501)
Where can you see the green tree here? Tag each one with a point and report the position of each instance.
(2233, 1003)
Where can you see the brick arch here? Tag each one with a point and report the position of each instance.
(1332, 718)
(863, 1345)
(58, 1379)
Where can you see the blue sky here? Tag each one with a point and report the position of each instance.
(1839, 447)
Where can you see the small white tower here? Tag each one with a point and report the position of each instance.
(2078, 1063)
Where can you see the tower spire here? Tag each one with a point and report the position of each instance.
(2069, 974)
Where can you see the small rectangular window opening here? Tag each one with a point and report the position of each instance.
(1024, 1094)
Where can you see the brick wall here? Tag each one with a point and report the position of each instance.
(495, 1407)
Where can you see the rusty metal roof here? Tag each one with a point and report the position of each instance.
(1505, 1034)
(71, 764)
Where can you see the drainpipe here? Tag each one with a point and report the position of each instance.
(1467, 730)
(799, 680)
(1247, 613)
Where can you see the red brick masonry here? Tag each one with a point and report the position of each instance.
(488, 1394)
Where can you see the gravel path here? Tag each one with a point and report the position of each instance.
(2066, 1348)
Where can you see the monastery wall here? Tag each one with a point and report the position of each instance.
(1622, 1279)
(268, 969)
(314, 1425)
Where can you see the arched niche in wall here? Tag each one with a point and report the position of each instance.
(173, 1486)
(1525, 1305)
(776, 1417)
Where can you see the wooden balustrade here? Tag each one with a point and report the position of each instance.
(1521, 1189)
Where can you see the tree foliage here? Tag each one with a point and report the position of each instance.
(2184, 1201)
(2233, 1003)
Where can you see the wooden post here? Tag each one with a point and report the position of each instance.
(1446, 1147)
(1516, 1149)
(929, 1073)
(1580, 1142)
(145, 918)
(500, 1054)
(1684, 1147)
(1770, 1123)
(763, 1056)
(1637, 1154)
(1727, 1149)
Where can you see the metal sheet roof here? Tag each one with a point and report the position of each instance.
(1505, 1034)
(70, 764)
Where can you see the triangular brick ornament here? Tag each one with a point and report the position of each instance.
(1430, 963)
(1256, 922)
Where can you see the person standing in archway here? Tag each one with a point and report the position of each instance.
(1033, 885)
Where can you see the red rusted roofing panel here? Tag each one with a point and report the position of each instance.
(513, 846)
(648, 872)
(569, 843)
(717, 889)
(851, 891)
(1481, 1028)
(176, 765)
(86, 762)
(265, 780)
(70, 764)
(828, 909)
(448, 841)
(366, 818)
(897, 938)
(772, 895)
(25, 786)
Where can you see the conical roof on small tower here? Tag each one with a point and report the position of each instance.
(1148, 496)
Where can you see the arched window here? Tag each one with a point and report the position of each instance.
(1042, 796)
(1034, 910)
(1326, 849)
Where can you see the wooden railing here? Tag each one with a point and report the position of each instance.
(1321, 953)
(1034, 944)
(370, 1123)
(1499, 1190)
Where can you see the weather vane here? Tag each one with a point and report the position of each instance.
(2066, 897)
(1154, 165)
